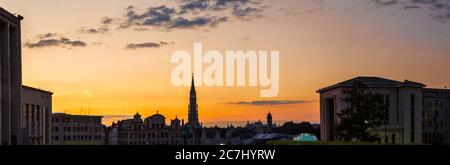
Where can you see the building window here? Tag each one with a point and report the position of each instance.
(388, 103)
(38, 109)
(330, 114)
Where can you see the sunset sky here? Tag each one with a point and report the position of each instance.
(112, 57)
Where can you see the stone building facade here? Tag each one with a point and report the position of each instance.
(411, 107)
(77, 129)
(151, 131)
(405, 111)
(35, 116)
(11, 77)
(436, 116)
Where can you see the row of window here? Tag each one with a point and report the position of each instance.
(436, 103)
(430, 124)
(76, 129)
(152, 135)
(429, 135)
(141, 127)
(77, 120)
(78, 137)
(165, 142)
(32, 110)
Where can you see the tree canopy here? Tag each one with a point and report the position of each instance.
(366, 111)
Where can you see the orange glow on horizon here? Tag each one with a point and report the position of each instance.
(318, 45)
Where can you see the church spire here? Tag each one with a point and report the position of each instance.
(192, 84)
(193, 107)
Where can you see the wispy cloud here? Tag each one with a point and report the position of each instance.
(440, 8)
(269, 102)
(107, 20)
(101, 30)
(46, 35)
(104, 28)
(165, 18)
(317, 6)
(192, 14)
(117, 116)
(384, 3)
(147, 45)
(50, 40)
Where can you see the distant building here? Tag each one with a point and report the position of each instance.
(151, 131)
(269, 122)
(226, 136)
(11, 77)
(263, 138)
(409, 108)
(35, 116)
(111, 134)
(77, 129)
(259, 127)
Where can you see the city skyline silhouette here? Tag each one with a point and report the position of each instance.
(113, 59)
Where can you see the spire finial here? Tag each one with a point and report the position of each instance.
(193, 83)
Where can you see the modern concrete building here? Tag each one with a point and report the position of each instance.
(77, 130)
(416, 114)
(11, 77)
(405, 108)
(35, 116)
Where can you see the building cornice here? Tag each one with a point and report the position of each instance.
(10, 17)
(37, 89)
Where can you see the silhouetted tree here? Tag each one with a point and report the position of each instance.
(291, 128)
(366, 111)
